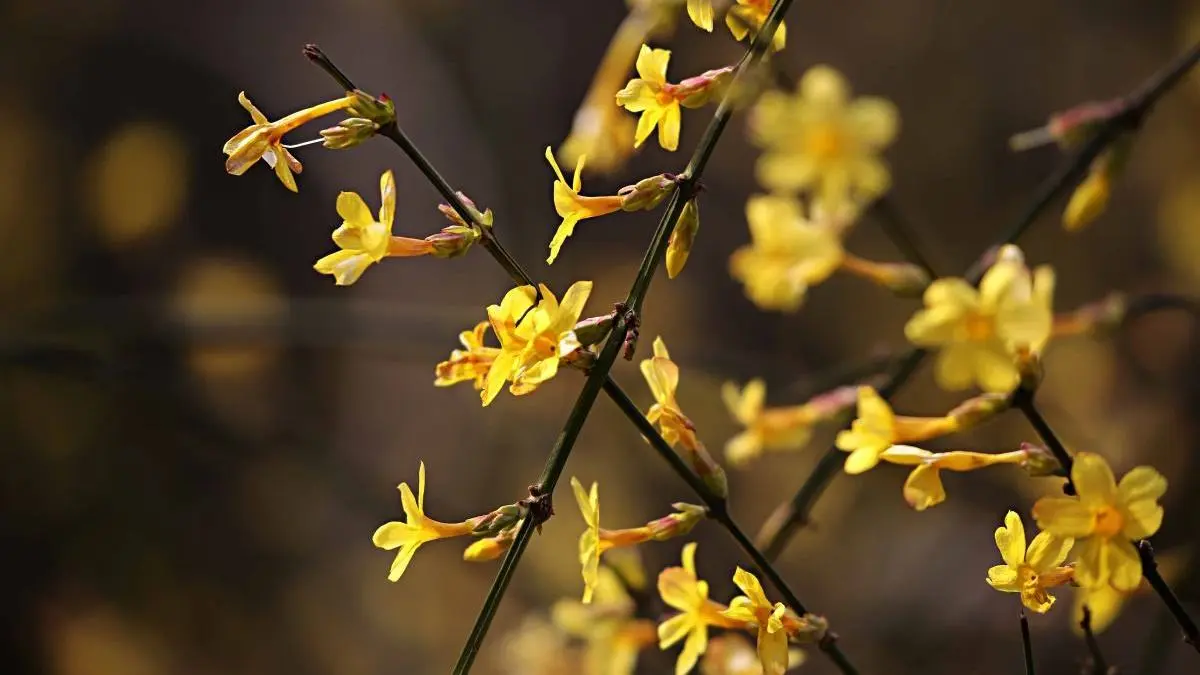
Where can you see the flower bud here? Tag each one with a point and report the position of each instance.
(1089, 200)
(1068, 128)
(381, 111)
(975, 411)
(809, 628)
(647, 193)
(682, 237)
(1040, 462)
(677, 524)
(497, 521)
(1029, 367)
(453, 241)
(592, 330)
(697, 91)
(485, 218)
(349, 133)
(904, 279)
(489, 548)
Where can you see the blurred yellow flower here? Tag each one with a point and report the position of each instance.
(363, 240)
(1104, 602)
(822, 141)
(469, 364)
(748, 16)
(416, 530)
(981, 332)
(877, 428)
(766, 428)
(787, 254)
(682, 590)
(612, 635)
(924, 488)
(1088, 201)
(264, 139)
(574, 207)
(701, 13)
(1031, 572)
(756, 611)
(662, 375)
(731, 654)
(1104, 517)
(589, 541)
(530, 350)
(683, 237)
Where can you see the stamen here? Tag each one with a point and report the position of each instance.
(293, 146)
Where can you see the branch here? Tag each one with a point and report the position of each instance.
(1191, 634)
(1095, 663)
(1026, 643)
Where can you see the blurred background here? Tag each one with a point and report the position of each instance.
(201, 433)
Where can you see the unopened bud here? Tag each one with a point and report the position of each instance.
(808, 629)
(592, 330)
(489, 548)
(453, 241)
(705, 467)
(349, 133)
(497, 521)
(485, 218)
(381, 111)
(677, 524)
(682, 237)
(1040, 462)
(647, 193)
(904, 279)
(1029, 367)
(1068, 128)
(697, 91)
(977, 410)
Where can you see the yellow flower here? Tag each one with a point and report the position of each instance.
(820, 140)
(1031, 572)
(731, 654)
(1088, 201)
(877, 428)
(701, 13)
(264, 139)
(589, 541)
(787, 254)
(982, 331)
(363, 240)
(612, 635)
(1105, 603)
(787, 428)
(574, 207)
(754, 609)
(662, 375)
(1104, 517)
(651, 95)
(749, 15)
(682, 590)
(924, 488)
(470, 363)
(416, 529)
(530, 351)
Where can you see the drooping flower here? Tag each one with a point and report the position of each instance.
(1030, 572)
(1104, 518)
(924, 488)
(574, 207)
(786, 256)
(264, 139)
(532, 337)
(469, 364)
(877, 428)
(748, 16)
(755, 610)
(589, 541)
(981, 332)
(364, 240)
(820, 140)
(662, 375)
(416, 530)
(682, 590)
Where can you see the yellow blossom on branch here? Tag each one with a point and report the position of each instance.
(264, 139)
(1030, 572)
(682, 590)
(1106, 602)
(748, 16)
(1104, 518)
(417, 528)
(574, 207)
(924, 488)
(981, 332)
(589, 541)
(755, 610)
(787, 255)
(701, 13)
(469, 364)
(530, 350)
(659, 101)
(612, 635)
(662, 376)
(820, 140)
(731, 654)
(777, 429)
(877, 428)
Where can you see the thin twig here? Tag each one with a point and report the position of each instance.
(1026, 643)
(1191, 634)
(1096, 663)
(1022, 399)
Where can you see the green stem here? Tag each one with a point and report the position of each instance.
(789, 516)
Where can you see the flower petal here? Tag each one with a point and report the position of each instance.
(751, 586)
(825, 86)
(1003, 578)
(652, 64)
(668, 127)
(924, 488)
(1064, 516)
(1047, 551)
(1093, 480)
(1010, 539)
(387, 194)
(353, 210)
(1125, 564)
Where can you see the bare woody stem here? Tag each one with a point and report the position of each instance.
(791, 515)
(1026, 643)
(1098, 665)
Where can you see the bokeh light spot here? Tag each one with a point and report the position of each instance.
(137, 182)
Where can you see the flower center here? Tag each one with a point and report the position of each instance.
(664, 97)
(825, 143)
(1108, 522)
(979, 327)
(545, 346)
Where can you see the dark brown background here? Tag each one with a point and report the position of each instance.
(200, 433)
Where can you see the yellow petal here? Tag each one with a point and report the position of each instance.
(1093, 480)
(701, 13)
(689, 557)
(995, 369)
(1124, 563)
(638, 96)
(673, 630)
(387, 193)
(862, 459)
(554, 165)
(662, 375)
(1063, 516)
(403, 557)
(773, 652)
(1003, 578)
(565, 229)
(345, 266)
(668, 127)
(1105, 603)
(742, 448)
(1047, 551)
(421, 487)
(353, 210)
(693, 649)
(497, 375)
(924, 488)
(572, 305)
(1001, 280)
(393, 535)
(283, 170)
(1010, 539)
(786, 171)
(1091, 562)
(257, 116)
(825, 86)
(646, 123)
(751, 587)
(678, 588)
(874, 121)
(652, 64)
(587, 505)
(1142, 483)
